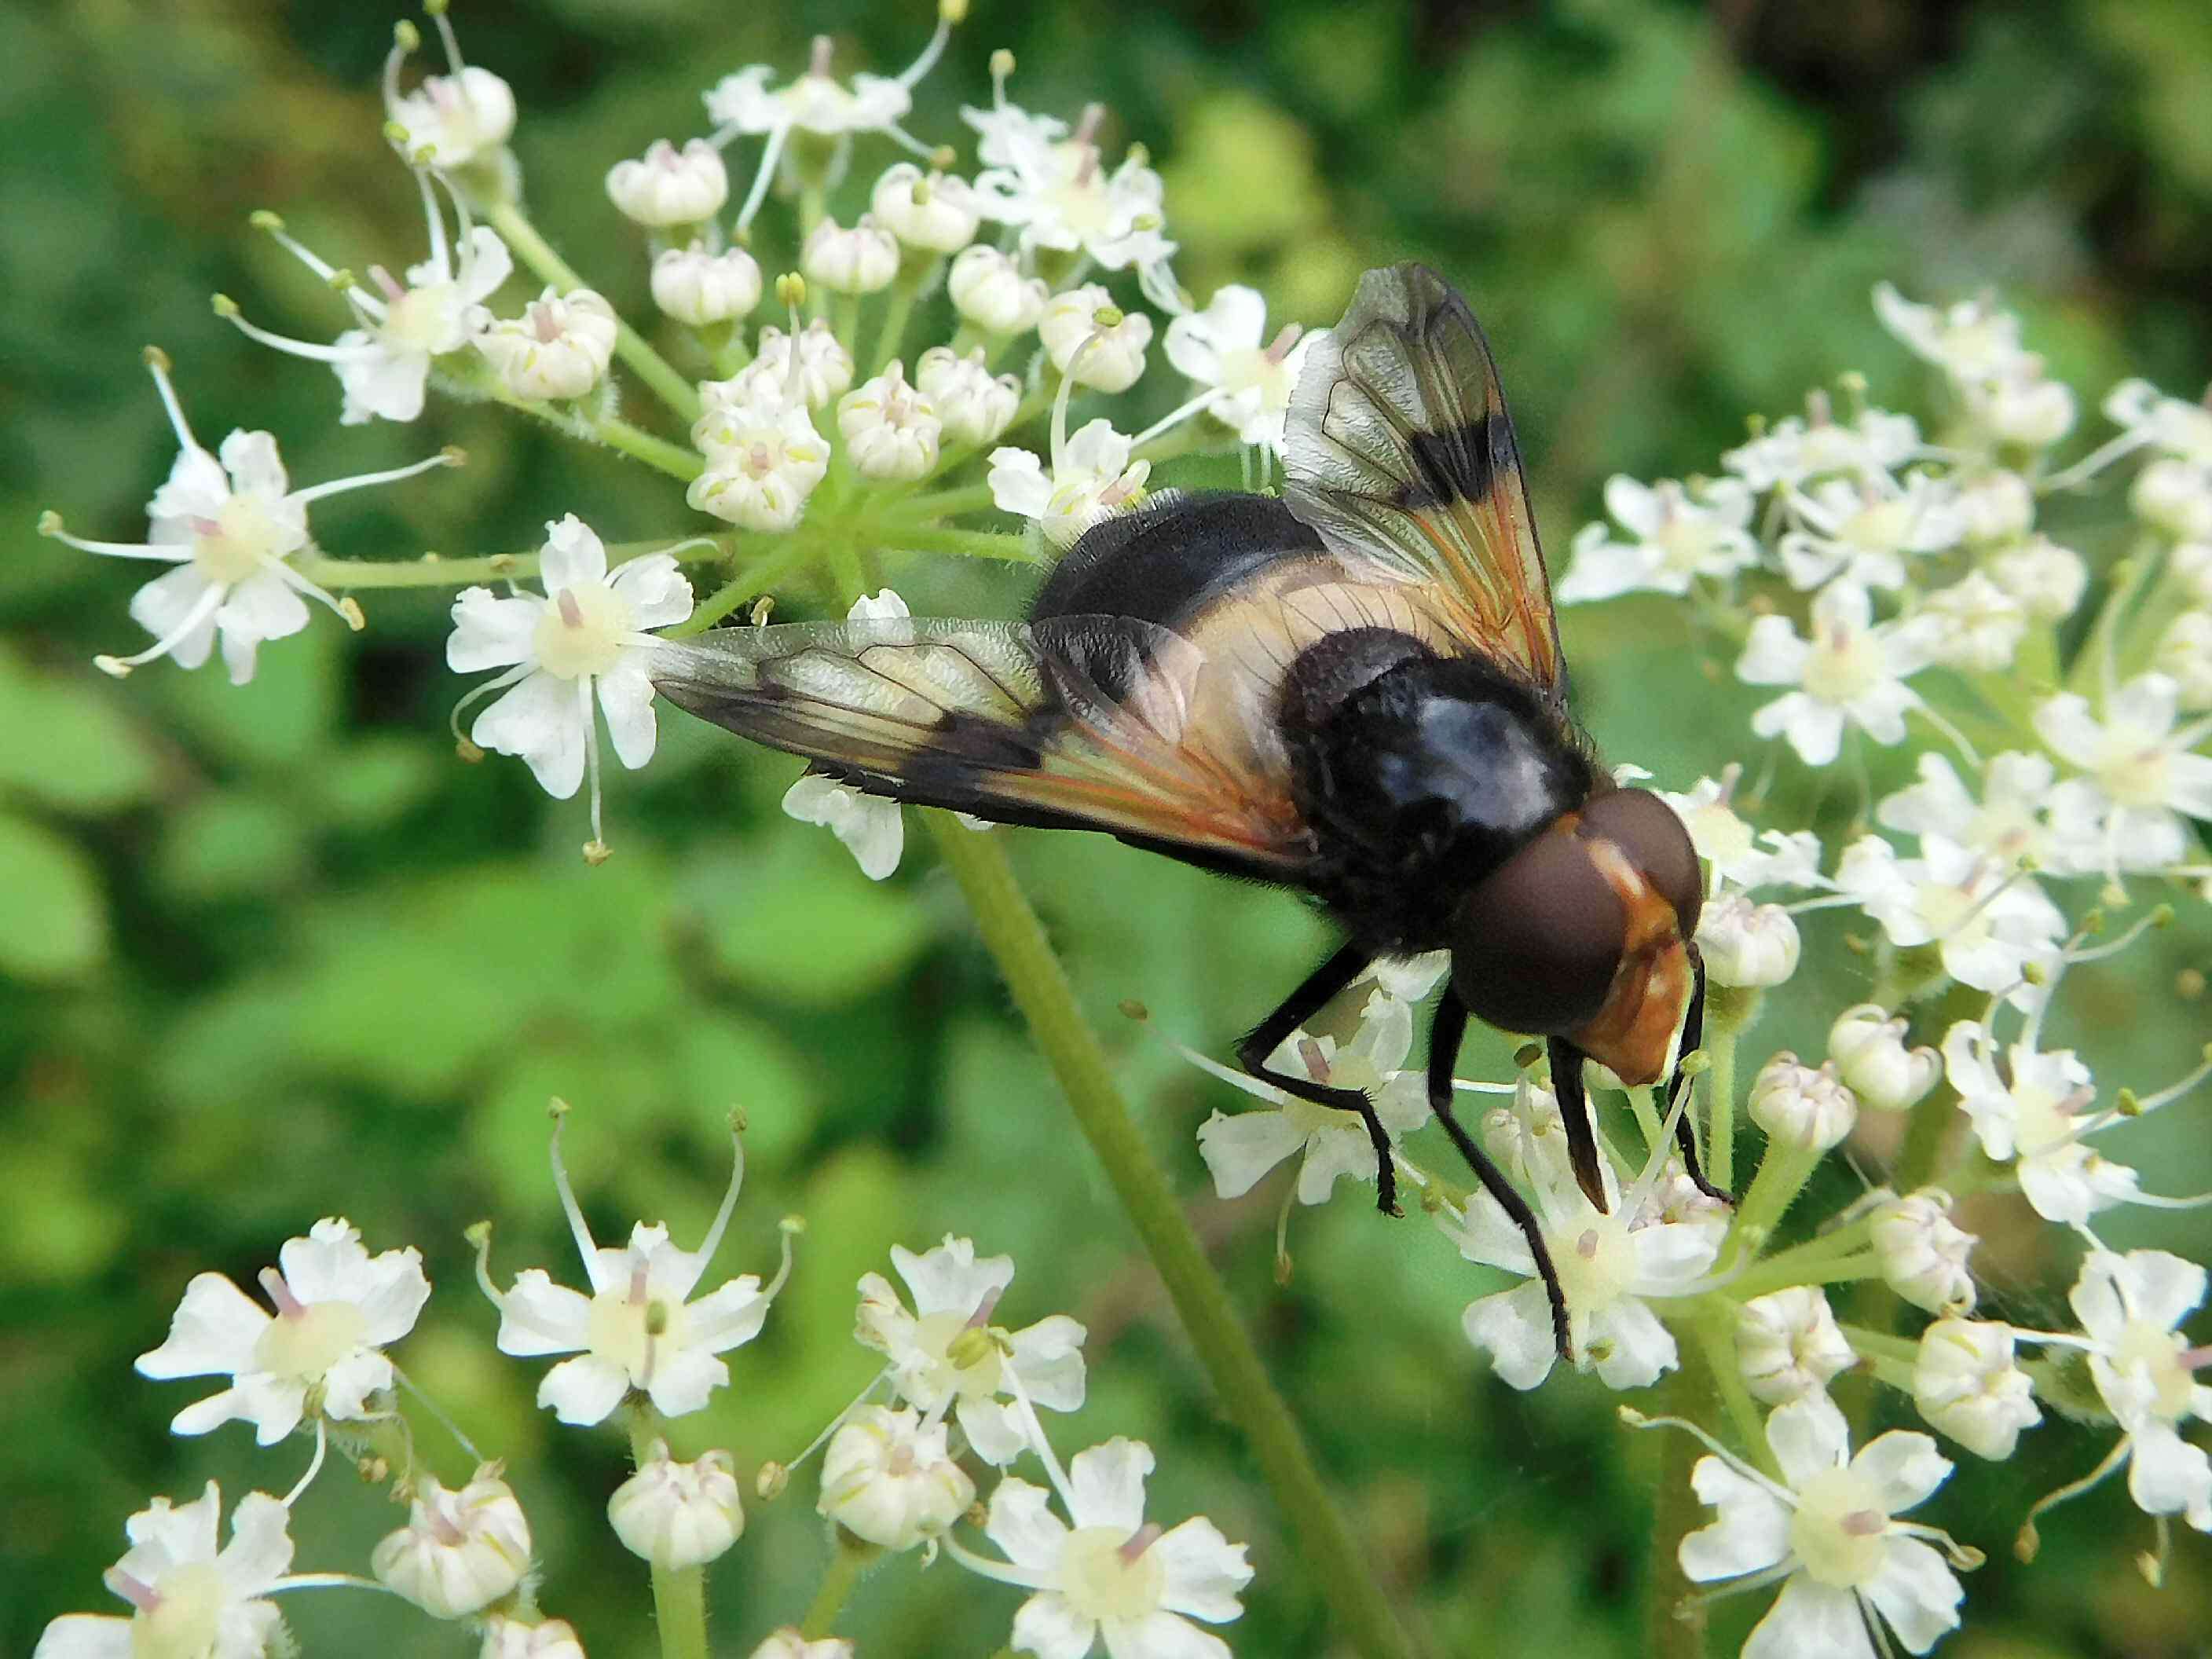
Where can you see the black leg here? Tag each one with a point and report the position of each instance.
(1444, 1037)
(1301, 1005)
(1693, 1035)
(1575, 1115)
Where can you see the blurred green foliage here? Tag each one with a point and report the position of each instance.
(267, 954)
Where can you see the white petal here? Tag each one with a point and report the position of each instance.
(573, 555)
(251, 460)
(1106, 1485)
(1241, 1147)
(85, 1636)
(1772, 653)
(537, 1316)
(387, 384)
(1018, 484)
(2065, 723)
(1020, 1522)
(195, 488)
(1904, 1467)
(655, 589)
(393, 1296)
(1916, 1592)
(1815, 729)
(540, 721)
(2167, 1476)
(1204, 1570)
(349, 1384)
(950, 1277)
(584, 1389)
(1331, 1153)
(1048, 1357)
(1809, 1436)
(490, 632)
(626, 696)
(1049, 1627)
(484, 262)
(729, 1315)
(1639, 1349)
(994, 1430)
(213, 1329)
(1750, 1534)
(1160, 1636)
(163, 603)
(683, 1382)
(169, 1534)
(1811, 1621)
(2163, 1288)
(260, 1547)
(1515, 1326)
(204, 1416)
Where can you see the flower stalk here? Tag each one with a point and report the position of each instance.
(679, 1596)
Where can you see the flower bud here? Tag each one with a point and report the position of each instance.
(460, 1550)
(988, 289)
(2027, 410)
(1869, 1054)
(2046, 578)
(889, 1480)
(789, 1644)
(695, 287)
(1789, 1344)
(974, 404)
(857, 261)
(1800, 1107)
(1746, 945)
(937, 214)
(456, 119)
(670, 186)
(1967, 1386)
(826, 369)
(891, 430)
(559, 347)
(1923, 1254)
(1997, 507)
(1116, 339)
(510, 1638)
(2184, 656)
(2172, 495)
(678, 1514)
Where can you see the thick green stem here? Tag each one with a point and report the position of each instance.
(747, 584)
(1365, 1619)
(679, 1597)
(356, 575)
(1719, 1043)
(639, 445)
(648, 365)
(1781, 1274)
(1783, 1173)
(849, 1562)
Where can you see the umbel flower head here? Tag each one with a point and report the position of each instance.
(231, 525)
(321, 1351)
(947, 1354)
(188, 1599)
(639, 1329)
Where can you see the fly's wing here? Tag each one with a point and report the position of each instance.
(1092, 722)
(1400, 454)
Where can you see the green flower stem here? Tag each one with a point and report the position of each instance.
(1846, 1240)
(1780, 1274)
(849, 1561)
(1714, 1335)
(1671, 1631)
(674, 459)
(1719, 1044)
(648, 365)
(971, 544)
(1365, 1619)
(357, 575)
(898, 305)
(1647, 1117)
(1783, 1173)
(941, 504)
(679, 1598)
(748, 583)
(1880, 1345)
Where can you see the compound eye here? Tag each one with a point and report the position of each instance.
(1536, 944)
(1656, 842)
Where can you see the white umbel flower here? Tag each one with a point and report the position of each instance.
(2008, 827)
(2144, 777)
(188, 1599)
(1986, 921)
(947, 1354)
(515, 1638)
(586, 638)
(1106, 1575)
(2174, 497)
(1800, 1107)
(1674, 535)
(888, 1478)
(558, 349)
(1225, 350)
(1738, 856)
(1330, 1144)
(1795, 450)
(974, 404)
(2131, 1308)
(231, 527)
(873, 828)
(1861, 530)
(1973, 624)
(2178, 428)
(1092, 477)
(1828, 1530)
(2027, 409)
(891, 427)
(2046, 578)
(1922, 1252)
(460, 1550)
(321, 1352)
(1850, 673)
(1054, 186)
(1746, 945)
(2033, 1112)
(1789, 1344)
(764, 459)
(1968, 1386)
(454, 120)
(667, 186)
(1997, 506)
(639, 1327)
(825, 370)
(678, 1514)
(1111, 342)
(857, 260)
(1971, 341)
(1867, 1047)
(702, 289)
(383, 366)
(989, 290)
(936, 212)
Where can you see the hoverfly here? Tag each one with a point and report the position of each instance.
(1356, 690)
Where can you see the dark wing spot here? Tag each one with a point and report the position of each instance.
(1452, 466)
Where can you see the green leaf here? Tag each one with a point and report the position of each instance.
(65, 741)
(53, 916)
(795, 921)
